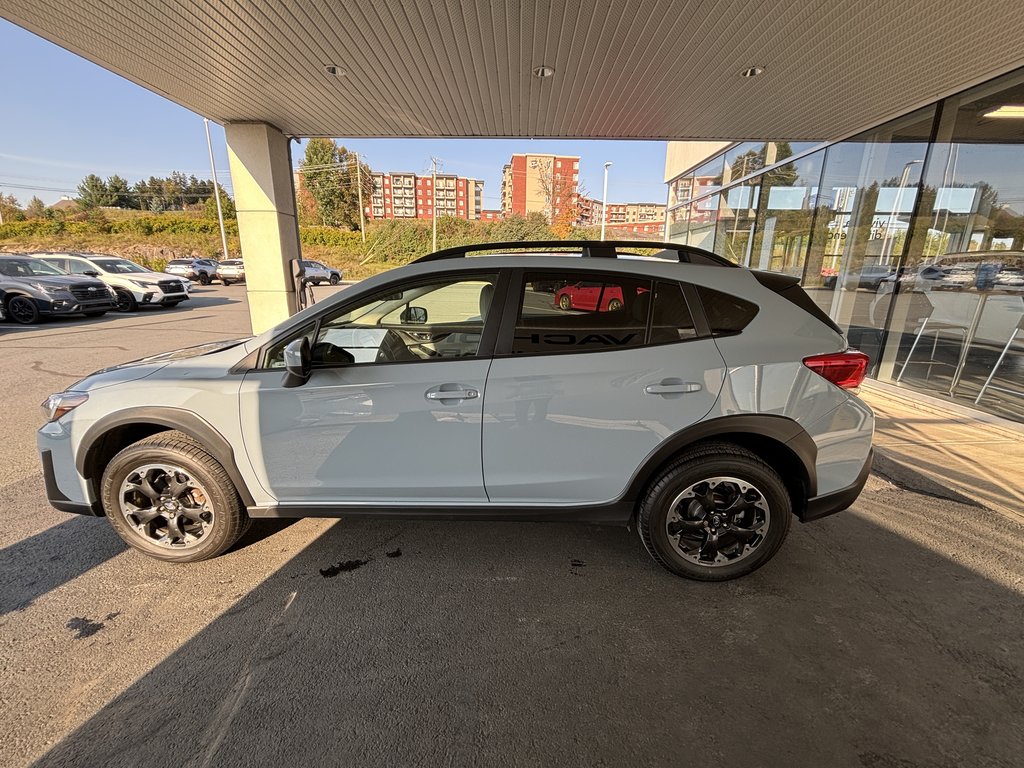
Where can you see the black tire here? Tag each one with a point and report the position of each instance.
(101, 313)
(565, 301)
(225, 282)
(317, 283)
(204, 279)
(229, 520)
(126, 302)
(335, 279)
(712, 460)
(22, 310)
(614, 305)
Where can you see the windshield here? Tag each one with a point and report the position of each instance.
(118, 266)
(28, 268)
(179, 262)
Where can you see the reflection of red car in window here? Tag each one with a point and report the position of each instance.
(585, 296)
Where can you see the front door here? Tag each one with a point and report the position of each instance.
(392, 410)
(587, 392)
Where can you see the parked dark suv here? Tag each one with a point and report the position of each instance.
(32, 288)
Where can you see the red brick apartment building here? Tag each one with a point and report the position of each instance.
(409, 196)
(548, 184)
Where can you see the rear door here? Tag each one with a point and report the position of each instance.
(576, 399)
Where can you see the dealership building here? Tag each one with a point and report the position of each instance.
(909, 235)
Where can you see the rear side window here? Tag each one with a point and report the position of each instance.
(726, 314)
(559, 312)
(671, 320)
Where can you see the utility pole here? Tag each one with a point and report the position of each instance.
(604, 198)
(216, 190)
(359, 182)
(433, 205)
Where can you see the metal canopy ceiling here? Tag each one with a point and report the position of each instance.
(623, 68)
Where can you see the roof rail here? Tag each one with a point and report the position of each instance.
(609, 249)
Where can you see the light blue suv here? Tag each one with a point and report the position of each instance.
(701, 403)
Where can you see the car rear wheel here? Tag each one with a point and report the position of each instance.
(170, 499)
(23, 310)
(716, 513)
(204, 279)
(125, 301)
(225, 282)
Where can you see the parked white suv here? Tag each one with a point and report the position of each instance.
(702, 403)
(316, 273)
(134, 285)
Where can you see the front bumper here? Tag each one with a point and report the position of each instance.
(836, 501)
(70, 305)
(66, 489)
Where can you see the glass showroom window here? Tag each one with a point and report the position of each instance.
(784, 210)
(961, 287)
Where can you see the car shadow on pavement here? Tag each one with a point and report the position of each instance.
(424, 643)
(38, 564)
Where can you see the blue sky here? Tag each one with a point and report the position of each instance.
(65, 117)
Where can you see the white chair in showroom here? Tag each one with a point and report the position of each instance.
(1009, 342)
(923, 310)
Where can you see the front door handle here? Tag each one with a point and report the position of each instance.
(451, 392)
(672, 387)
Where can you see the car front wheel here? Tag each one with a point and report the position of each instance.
(125, 301)
(170, 499)
(204, 279)
(22, 309)
(335, 279)
(716, 513)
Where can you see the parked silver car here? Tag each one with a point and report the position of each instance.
(231, 271)
(317, 272)
(706, 405)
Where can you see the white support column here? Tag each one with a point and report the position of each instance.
(261, 175)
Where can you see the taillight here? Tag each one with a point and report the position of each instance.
(844, 369)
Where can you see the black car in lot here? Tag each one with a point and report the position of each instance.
(31, 289)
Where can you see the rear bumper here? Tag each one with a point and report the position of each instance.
(836, 501)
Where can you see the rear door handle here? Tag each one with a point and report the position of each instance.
(672, 387)
(451, 392)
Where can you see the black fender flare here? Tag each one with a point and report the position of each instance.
(779, 429)
(173, 418)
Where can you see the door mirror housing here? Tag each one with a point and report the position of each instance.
(91, 273)
(298, 363)
(414, 316)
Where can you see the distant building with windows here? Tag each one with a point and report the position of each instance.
(547, 184)
(634, 218)
(399, 195)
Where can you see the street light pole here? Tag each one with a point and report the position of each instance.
(890, 236)
(216, 189)
(604, 199)
(359, 182)
(433, 204)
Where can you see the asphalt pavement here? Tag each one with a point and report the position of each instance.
(888, 636)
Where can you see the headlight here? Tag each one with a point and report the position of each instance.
(57, 405)
(139, 283)
(51, 290)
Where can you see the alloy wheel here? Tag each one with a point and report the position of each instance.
(166, 506)
(718, 521)
(22, 310)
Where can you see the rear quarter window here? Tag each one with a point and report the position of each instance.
(726, 314)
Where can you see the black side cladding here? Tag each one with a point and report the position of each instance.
(788, 287)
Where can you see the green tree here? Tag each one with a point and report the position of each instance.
(226, 203)
(328, 192)
(121, 192)
(93, 192)
(10, 210)
(36, 208)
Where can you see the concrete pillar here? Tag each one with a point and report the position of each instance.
(261, 176)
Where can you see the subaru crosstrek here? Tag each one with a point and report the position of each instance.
(706, 408)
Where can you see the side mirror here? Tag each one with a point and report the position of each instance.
(414, 316)
(91, 273)
(298, 363)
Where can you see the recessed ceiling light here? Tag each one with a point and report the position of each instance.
(332, 69)
(1007, 110)
(751, 71)
(543, 71)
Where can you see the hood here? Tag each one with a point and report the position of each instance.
(147, 366)
(142, 277)
(62, 281)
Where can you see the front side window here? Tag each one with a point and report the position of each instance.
(439, 320)
(559, 312)
(81, 267)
